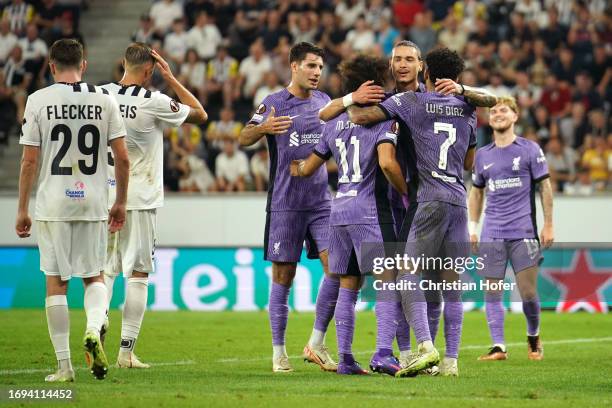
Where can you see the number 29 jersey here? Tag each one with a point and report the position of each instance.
(442, 129)
(72, 124)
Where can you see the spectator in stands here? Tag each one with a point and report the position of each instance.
(270, 85)
(260, 168)
(526, 93)
(421, 32)
(19, 14)
(485, 37)
(272, 31)
(582, 186)
(67, 30)
(387, 36)
(193, 75)
(507, 62)
(146, 32)
(439, 9)
(176, 42)
(222, 77)
(553, 33)
(496, 84)
(348, 11)
(8, 41)
(194, 7)
(584, 92)
(599, 123)
(564, 67)
(542, 124)
(219, 130)
(331, 37)
(376, 13)
(453, 35)
(204, 37)
(7, 111)
(520, 31)
(252, 70)
(531, 9)
(48, 18)
(18, 79)
(601, 68)
(248, 19)
(556, 97)
(361, 38)
(280, 63)
(574, 127)
(35, 55)
(404, 11)
(595, 159)
(163, 13)
(231, 168)
(561, 162)
(538, 63)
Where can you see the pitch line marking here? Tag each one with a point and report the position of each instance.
(49, 370)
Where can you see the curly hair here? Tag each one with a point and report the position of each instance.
(361, 68)
(444, 63)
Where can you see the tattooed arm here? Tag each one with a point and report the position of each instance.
(546, 195)
(473, 95)
(366, 115)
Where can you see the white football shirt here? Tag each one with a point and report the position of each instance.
(72, 124)
(145, 114)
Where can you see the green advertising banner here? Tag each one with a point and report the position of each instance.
(209, 279)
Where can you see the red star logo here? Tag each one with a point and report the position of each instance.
(583, 284)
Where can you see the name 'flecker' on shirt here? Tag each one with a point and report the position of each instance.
(74, 112)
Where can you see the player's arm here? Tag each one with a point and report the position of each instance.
(273, 125)
(306, 168)
(197, 114)
(475, 203)
(473, 95)
(116, 216)
(546, 195)
(27, 176)
(390, 167)
(367, 93)
(468, 163)
(366, 115)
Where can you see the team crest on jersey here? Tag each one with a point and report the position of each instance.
(276, 249)
(174, 106)
(78, 193)
(516, 163)
(260, 109)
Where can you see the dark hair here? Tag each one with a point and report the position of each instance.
(66, 53)
(361, 68)
(300, 50)
(443, 63)
(138, 54)
(406, 43)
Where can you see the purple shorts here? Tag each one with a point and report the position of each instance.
(436, 228)
(496, 252)
(398, 213)
(352, 248)
(286, 232)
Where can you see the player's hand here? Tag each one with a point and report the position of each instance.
(23, 225)
(294, 168)
(448, 87)
(162, 65)
(276, 125)
(116, 217)
(474, 243)
(368, 93)
(547, 236)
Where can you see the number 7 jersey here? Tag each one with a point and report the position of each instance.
(441, 129)
(72, 124)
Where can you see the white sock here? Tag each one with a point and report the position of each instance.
(405, 353)
(133, 311)
(317, 338)
(501, 346)
(278, 351)
(450, 360)
(58, 322)
(109, 281)
(95, 306)
(426, 346)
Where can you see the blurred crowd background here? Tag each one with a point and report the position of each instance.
(552, 55)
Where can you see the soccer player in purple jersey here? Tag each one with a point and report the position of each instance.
(510, 169)
(440, 146)
(297, 209)
(360, 213)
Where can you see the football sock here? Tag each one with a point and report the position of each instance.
(434, 311)
(279, 351)
(494, 308)
(278, 312)
(345, 320)
(95, 306)
(58, 322)
(325, 308)
(453, 321)
(133, 311)
(531, 308)
(415, 307)
(109, 281)
(403, 330)
(386, 325)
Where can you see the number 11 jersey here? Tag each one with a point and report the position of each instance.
(441, 129)
(72, 124)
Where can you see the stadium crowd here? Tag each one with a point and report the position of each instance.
(552, 55)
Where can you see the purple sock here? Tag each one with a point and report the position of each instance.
(326, 303)
(453, 321)
(531, 308)
(345, 320)
(495, 317)
(278, 312)
(386, 325)
(415, 306)
(434, 311)
(403, 330)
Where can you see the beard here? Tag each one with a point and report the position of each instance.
(501, 128)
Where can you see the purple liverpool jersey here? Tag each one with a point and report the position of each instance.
(362, 196)
(509, 175)
(288, 193)
(439, 131)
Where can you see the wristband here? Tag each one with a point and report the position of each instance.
(472, 227)
(347, 100)
(462, 89)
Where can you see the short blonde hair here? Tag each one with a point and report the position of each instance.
(509, 101)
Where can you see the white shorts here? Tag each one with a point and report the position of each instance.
(133, 247)
(72, 248)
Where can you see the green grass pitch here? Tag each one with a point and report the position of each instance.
(223, 359)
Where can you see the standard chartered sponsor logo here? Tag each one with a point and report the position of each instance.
(512, 182)
(310, 138)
